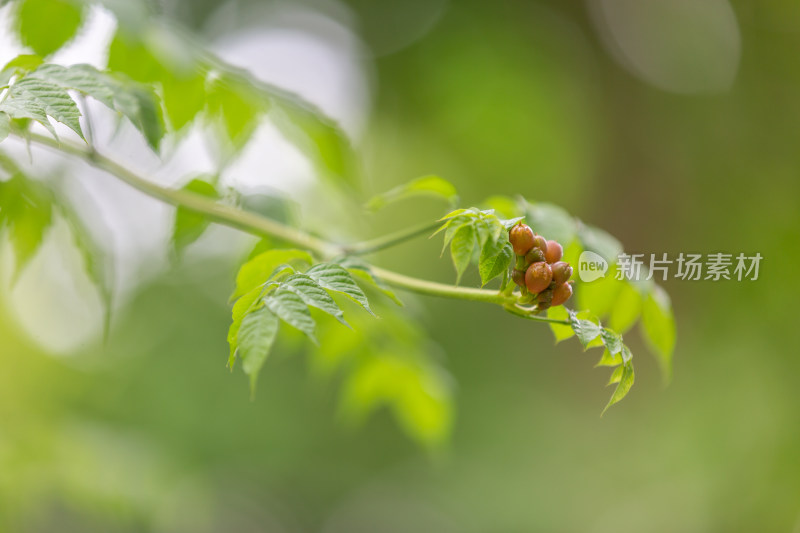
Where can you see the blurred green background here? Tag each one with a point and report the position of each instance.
(674, 128)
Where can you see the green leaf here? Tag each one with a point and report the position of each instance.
(28, 230)
(23, 63)
(140, 104)
(572, 253)
(26, 210)
(511, 222)
(489, 229)
(462, 248)
(626, 309)
(5, 126)
(612, 341)
(280, 272)
(362, 270)
(658, 325)
(184, 97)
(190, 225)
(586, 330)
(600, 242)
(47, 25)
(609, 359)
(136, 101)
(243, 305)
(450, 227)
(455, 213)
(130, 54)
(27, 110)
(97, 263)
(551, 221)
(370, 278)
(616, 375)
(317, 135)
(624, 385)
(336, 278)
(237, 106)
(270, 204)
(257, 270)
(291, 309)
(417, 393)
(425, 186)
(453, 220)
(83, 78)
(560, 331)
(626, 354)
(314, 295)
(255, 339)
(494, 262)
(599, 295)
(503, 205)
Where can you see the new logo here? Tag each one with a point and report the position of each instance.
(591, 266)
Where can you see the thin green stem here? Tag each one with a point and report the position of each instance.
(259, 225)
(529, 313)
(433, 288)
(392, 239)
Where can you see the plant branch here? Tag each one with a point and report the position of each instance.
(223, 214)
(259, 225)
(433, 288)
(392, 239)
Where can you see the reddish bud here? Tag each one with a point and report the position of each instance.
(554, 252)
(538, 277)
(534, 256)
(561, 272)
(540, 243)
(561, 294)
(521, 239)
